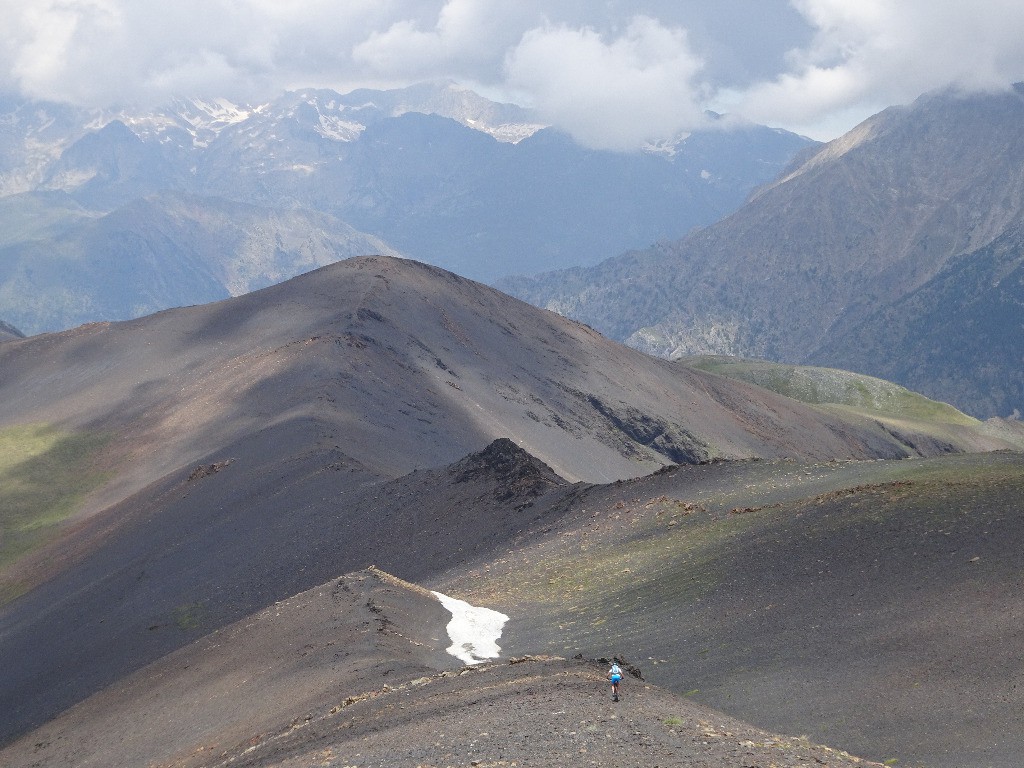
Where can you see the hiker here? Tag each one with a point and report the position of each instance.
(615, 675)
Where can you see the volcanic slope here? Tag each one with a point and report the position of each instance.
(873, 606)
(354, 672)
(209, 547)
(374, 367)
(870, 603)
(166, 476)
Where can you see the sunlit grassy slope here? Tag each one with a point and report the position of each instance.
(44, 475)
(829, 386)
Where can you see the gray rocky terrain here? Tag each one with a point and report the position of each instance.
(174, 483)
(353, 673)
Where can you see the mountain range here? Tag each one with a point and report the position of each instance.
(230, 530)
(191, 501)
(894, 251)
(434, 172)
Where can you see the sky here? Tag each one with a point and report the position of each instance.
(613, 73)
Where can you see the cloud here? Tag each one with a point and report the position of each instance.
(612, 73)
(468, 37)
(40, 38)
(611, 80)
(611, 93)
(867, 55)
(103, 52)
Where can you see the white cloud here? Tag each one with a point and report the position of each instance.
(611, 93)
(468, 37)
(44, 38)
(873, 53)
(611, 73)
(101, 52)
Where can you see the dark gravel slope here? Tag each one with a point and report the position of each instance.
(354, 673)
(548, 712)
(875, 606)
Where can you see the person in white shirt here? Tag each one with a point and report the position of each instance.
(615, 675)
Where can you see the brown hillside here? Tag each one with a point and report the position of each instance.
(398, 366)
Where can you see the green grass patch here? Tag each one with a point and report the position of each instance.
(830, 386)
(45, 473)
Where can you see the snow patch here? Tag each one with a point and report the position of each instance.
(474, 632)
(339, 130)
(509, 133)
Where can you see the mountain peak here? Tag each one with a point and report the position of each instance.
(517, 472)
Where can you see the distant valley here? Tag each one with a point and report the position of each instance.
(111, 215)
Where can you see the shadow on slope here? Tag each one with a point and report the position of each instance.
(403, 366)
(295, 658)
(217, 541)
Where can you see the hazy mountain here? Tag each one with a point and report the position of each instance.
(161, 251)
(111, 167)
(434, 171)
(912, 195)
(32, 137)
(337, 116)
(485, 209)
(505, 122)
(964, 326)
(422, 169)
